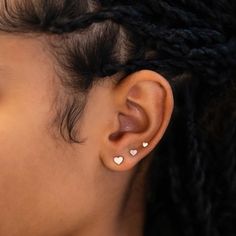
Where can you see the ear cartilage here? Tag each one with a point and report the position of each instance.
(133, 152)
(118, 160)
(145, 144)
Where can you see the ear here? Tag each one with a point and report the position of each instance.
(142, 107)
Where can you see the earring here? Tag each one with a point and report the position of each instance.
(145, 144)
(133, 152)
(118, 159)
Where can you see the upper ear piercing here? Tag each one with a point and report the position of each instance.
(145, 144)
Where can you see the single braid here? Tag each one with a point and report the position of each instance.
(196, 180)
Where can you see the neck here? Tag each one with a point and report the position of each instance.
(123, 213)
(134, 204)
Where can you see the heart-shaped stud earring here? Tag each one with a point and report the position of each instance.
(118, 160)
(145, 144)
(133, 152)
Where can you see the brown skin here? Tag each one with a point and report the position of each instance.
(48, 188)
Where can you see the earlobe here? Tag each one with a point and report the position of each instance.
(133, 152)
(143, 104)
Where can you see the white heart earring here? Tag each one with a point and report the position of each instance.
(145, 144)
(133, 152)
(118, 159)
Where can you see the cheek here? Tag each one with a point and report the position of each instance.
(39, 183)
(23, 159)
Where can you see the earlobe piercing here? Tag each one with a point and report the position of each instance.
(133, 152)
(118, 160)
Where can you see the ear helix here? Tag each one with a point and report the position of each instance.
(133, 152)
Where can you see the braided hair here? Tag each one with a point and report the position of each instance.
(191, 182)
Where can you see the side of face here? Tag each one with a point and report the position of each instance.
(47, 186)
(43, 183)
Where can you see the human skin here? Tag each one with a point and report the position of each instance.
(49, 187)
